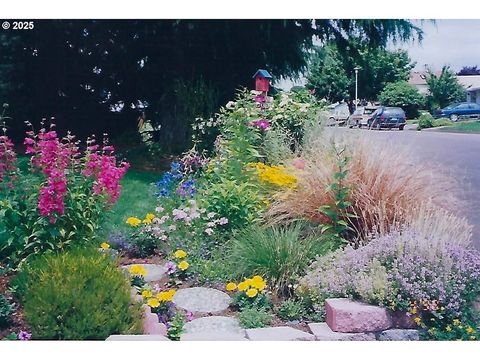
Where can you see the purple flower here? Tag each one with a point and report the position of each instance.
(24, 335)
(189, 316)
(171, 267)
(261, 124)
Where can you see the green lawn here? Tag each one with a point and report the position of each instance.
(471, 127)
(137, 199)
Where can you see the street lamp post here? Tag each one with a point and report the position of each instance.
(356, 86)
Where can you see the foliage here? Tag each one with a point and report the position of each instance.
(277, 146)
(403, 95)
(77, 295)
(251, 318)
(6, 311)
(443, 89)
(291, 310)
(173, 60)
(469, 70)
(190, 227)
(280, 254)
(405, 271)
(384, 188)
(60, 198)
(332, 73)
(176, 327)
(425, 121)
(338, 211)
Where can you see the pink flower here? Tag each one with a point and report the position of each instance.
(223, 221)
(299, 163)
(209, 231)
(261, 124)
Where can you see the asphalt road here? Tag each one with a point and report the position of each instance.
(459, 154)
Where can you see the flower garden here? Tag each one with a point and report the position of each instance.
(265, 218)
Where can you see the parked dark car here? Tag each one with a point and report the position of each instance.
(387, 117)
(458, 111)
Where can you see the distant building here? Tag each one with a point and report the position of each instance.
(471, 83)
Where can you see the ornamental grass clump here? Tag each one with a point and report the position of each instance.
(79, 294)
(385, 186)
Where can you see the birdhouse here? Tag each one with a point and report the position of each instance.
(262, 80)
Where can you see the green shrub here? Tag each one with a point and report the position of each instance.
(251, 318)
(279, 254)
(76, 295)
(404, 95)
(425, 121)
(442, 122)
(291, 310)
(6, 310)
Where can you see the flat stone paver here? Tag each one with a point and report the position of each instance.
(281, 333)
(399, 335)
(154, 272)
(322, 332)
(137, 338)
(219, 324)
(213, 336)
(200, 299)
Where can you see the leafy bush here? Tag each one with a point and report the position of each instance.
(251, 318)
(291, 310)
(433, 279)
(60, 198)
(385, 189)
(77, 295)
(443, 89)
(425, 121)
(6, 311)
(403, 95)
(280, 254)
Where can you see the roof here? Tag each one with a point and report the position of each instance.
(263, 73)
(469, 82)
(419, 77)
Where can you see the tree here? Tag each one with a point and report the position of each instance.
(328, 77)
(332, 72)
(443, 89)
(404, 95)
(469, 70)
(99, 75)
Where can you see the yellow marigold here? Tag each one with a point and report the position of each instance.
(146, 221)
(456, 322)
(153, 303)
(137, 270)
(413, 310)
(417, 320)
(259, 284)
(242, 286)
(162, 296)
(146, 293)
(133, 221)
(231, 286)
(180, 254)
(469, 330)
(183, 265)
(249, 282)
(252, 292)
(150, 216)
(448, 328)
(105, 246)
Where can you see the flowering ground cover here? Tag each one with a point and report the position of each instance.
(269, 209)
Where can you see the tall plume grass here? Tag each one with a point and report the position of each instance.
(387, 186)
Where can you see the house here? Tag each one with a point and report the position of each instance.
(471, 83)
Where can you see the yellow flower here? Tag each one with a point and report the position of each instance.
(249, 282)
(183, 265)
(146, 221)
(417, 320)
(146, 293)
(231, 286)
(413, 310)
(472, 337)
(448, 328)
(166, 295)
(137, 270)
(153, 303)
(105, 246)
(133, 221)
(242, 286)
(456, 322)
(150, 216)
(276, 175)
(179, 254)
(469, 330)
(258, 282)
(252, 293)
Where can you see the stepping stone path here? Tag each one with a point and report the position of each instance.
(322, 332)
(216, 324)
(200, 299)
(280, 333)
(154, 272)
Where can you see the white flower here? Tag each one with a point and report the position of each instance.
(210, 215)
(211, 224)
(159, 209)
(223, 221)
(209, 231)
(230, 105)
(172, 227)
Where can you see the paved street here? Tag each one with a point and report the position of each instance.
(458, 152)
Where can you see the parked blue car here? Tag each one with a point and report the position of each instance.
(459, 110)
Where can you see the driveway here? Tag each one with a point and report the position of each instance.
(460, 153)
